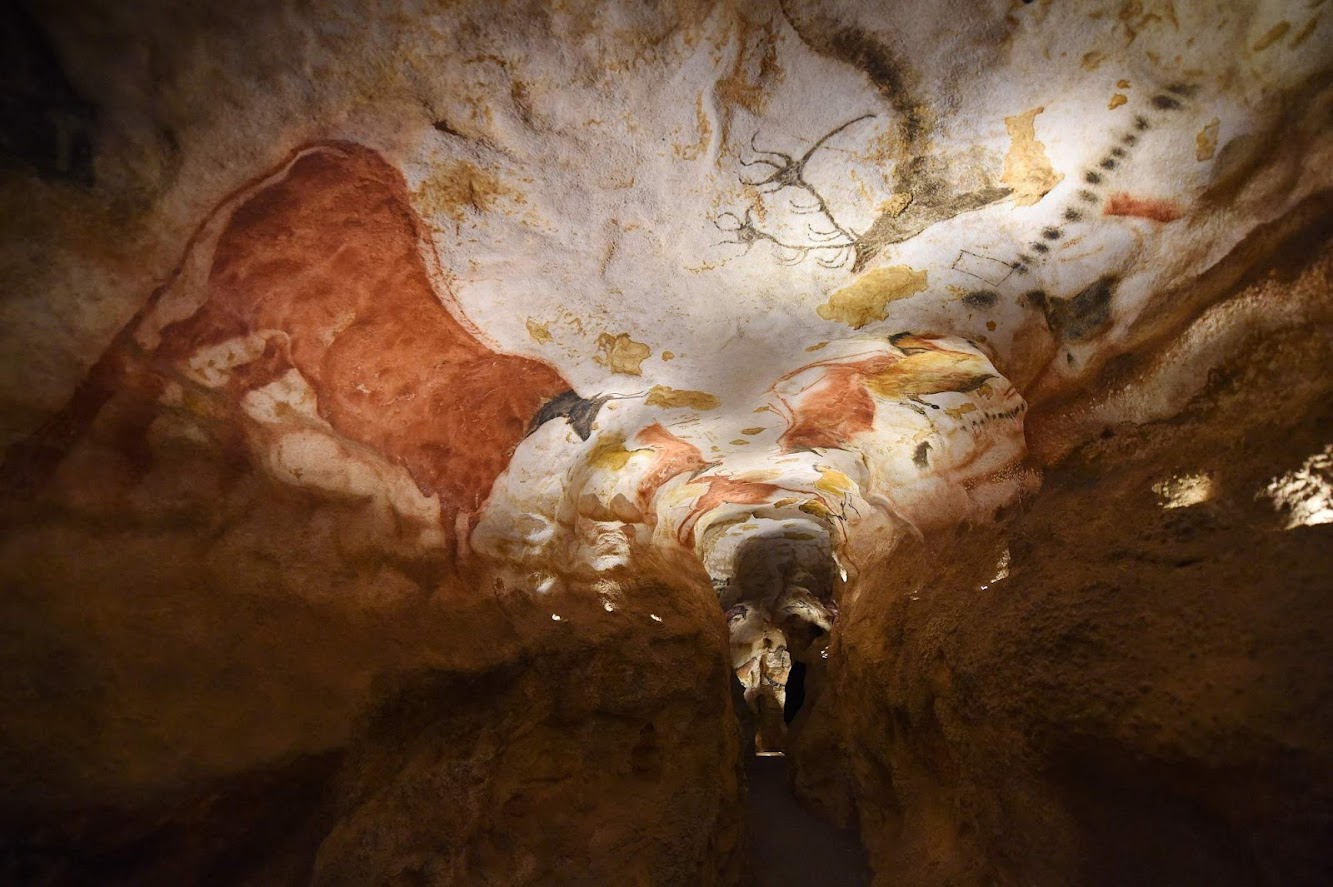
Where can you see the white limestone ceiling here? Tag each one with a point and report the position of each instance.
(803, 265)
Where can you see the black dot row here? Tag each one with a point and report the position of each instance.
(998, 416)
(1163, 101)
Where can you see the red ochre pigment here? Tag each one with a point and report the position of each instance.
(1154, 208)
(329, 262)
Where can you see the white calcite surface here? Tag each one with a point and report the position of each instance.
(698, 197)
(801, 269)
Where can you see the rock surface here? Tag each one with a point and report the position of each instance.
(1110, 688)
(589, 763)
(416, 414)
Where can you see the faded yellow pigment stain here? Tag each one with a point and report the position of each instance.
(1027, 169)
(1206, 141)
(459, 188)
(662, 396)
(571, 319)
(1116, 101)
(740, 443)
(1122, 84)
(834, 482)
(610, 453)
(758, 429)
(750, 81)
(1304, 32)
(705, 130)
(1136, 16)
(866, 299)
(817, 346)
(816, 508)
(668, 355)
(621, 353)
(539, 331)
(1092, 59)
(961, 411)
(895, 205)
(1275, 33)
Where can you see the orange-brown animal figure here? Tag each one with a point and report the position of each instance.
(327, 266)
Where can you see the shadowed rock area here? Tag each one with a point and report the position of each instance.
(795, 442)
(789, 846)
(1132, 700)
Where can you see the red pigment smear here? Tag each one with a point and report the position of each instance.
(674, 457)
(1156, 208)
(333, 258)
(837, 408)
(723, 491)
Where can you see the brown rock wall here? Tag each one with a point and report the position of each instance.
(1142, 699)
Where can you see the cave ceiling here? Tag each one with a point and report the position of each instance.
(554, 285)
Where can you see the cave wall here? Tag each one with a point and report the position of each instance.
(1127, 682)
(414, 413)
(265, 676)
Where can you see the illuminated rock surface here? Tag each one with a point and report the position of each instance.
(415, 416)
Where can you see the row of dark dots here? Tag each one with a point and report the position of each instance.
(997, 417)
(1094, 178)
(1166, 101)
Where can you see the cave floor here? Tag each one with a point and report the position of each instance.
(789, 847)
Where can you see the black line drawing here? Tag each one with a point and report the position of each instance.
(983, 267)
(791, 174)
(833, 243)
(746, 234)
(929, 200)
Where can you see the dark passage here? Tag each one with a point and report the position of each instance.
(788, 846)
(795, 692)
(43, 121)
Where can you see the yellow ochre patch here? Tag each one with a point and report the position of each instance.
(662, 396)
(539, 332)
(1027, 169)
(460, 187)
(1206, 141)
(865, 300)
(621, 353)
(610, 453)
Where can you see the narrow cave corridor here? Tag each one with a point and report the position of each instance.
(789, 846)
(669, 443)
(794, 692)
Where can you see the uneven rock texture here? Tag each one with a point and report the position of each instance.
(790, 847)
(197, 725)
(430, 429)
(585, 765)
(1134, 698)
